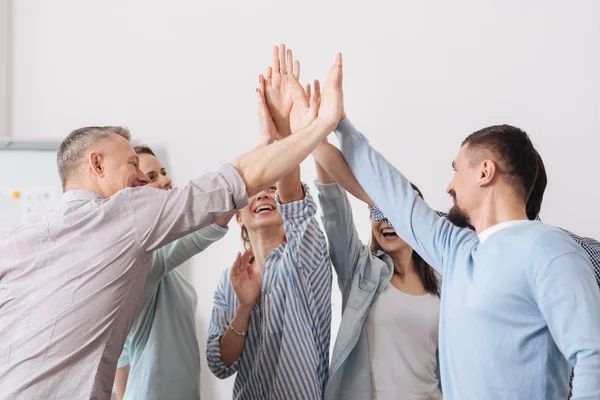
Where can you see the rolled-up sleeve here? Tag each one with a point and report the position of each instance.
(220, 319)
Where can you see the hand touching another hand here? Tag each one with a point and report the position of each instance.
(281, 77)
(245, 280)
(332, 99)
(268, 130)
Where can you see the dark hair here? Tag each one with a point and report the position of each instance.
(424, 270)
(144, 150)
(517, 159)
(534, 203)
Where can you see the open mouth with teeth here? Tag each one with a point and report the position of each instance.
(264, 209)
(388, 233)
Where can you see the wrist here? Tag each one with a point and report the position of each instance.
(283, 127)
(243, 311)
(323, 126)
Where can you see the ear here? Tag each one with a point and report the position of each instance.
(238, 218)
(96, 162)
(487, 172)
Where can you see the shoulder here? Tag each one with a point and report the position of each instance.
(549, 242)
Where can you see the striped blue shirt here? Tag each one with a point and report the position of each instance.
(286, 354)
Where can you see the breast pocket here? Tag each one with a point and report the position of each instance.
(274, 310)
(361, 293)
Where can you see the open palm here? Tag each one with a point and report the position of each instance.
(280, 80)
(244, 279)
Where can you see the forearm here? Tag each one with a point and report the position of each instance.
(289, 187)
(414, 221)
(267, 165)
(121, 381)
(322, 176)
(335, 165)
(232, 344)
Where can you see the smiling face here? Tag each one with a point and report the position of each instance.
(115, 166)
(154, 170)
(261, 211)
(385, 236)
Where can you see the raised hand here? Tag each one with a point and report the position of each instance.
(281, 78)
(306, 105)
(268, 130)
(332, 99)
(244, 279)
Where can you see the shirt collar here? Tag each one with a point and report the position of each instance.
(79, 194)
(485, 234)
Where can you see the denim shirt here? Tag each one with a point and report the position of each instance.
(362, 276)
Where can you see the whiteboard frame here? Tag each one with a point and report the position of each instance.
(10, 143)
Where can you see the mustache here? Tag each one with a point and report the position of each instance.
(453, 195)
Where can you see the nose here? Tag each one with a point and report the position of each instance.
(142, 178)
(262, 195)
(449, 189)
(166, 183)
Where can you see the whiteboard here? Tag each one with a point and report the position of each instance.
(30, 186)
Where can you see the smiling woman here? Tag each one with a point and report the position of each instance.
(276, 298)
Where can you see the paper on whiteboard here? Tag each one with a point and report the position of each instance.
(20, 205)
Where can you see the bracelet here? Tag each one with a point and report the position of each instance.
(237, 332)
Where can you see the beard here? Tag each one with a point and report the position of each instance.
(458, 216)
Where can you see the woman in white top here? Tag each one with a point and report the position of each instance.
(387, 343)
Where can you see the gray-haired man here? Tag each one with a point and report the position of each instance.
(70, 283)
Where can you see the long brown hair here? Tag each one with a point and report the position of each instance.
(424, 270)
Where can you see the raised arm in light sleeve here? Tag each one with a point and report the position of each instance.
(345, 246)
(427, 233)
(569, 300)
(172, 255)
(162, 216)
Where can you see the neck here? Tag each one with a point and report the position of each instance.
(498, 209)
(81, 185)
(265, 240)
(403, 261)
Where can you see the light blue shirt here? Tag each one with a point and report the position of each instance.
(516, 310)
(362, 277)
(162, 347)
(286, 354)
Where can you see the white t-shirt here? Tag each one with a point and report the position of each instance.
(402, 334)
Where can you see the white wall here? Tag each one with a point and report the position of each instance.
(5, 42)
(419, 77)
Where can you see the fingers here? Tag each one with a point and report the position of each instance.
(234, 271)
(275, 61)
(307, 90)
(289, 62)
(262, 104)
(269, 73)
(317, 94)
(338, 60)
(245, 259)
(315, 99)
(281, 59)
(296, 71)
(334, 78)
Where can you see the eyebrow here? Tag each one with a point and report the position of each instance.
(134, 158)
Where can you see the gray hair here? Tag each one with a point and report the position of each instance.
(72, 148)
